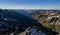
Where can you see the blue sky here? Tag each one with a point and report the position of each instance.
(30, 4)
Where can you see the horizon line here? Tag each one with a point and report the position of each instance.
(30, 8)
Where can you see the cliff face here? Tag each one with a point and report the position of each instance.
(48, 18)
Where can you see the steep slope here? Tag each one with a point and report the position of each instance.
(15, 22)
(48, 18)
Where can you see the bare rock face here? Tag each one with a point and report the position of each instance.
(34, 31)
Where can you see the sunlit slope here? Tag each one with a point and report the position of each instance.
(48, 18)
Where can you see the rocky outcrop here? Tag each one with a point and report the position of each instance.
(48, 18)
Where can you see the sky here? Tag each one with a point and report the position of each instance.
(30, 4)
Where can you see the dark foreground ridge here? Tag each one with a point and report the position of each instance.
(11, 21)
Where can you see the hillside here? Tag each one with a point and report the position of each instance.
(48, 18)
(17, 22)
